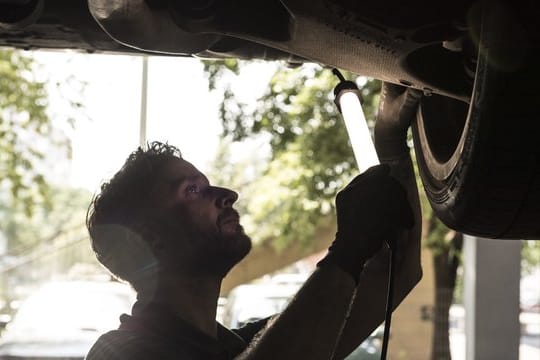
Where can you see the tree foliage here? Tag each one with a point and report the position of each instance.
(27, 134)
(23, 119)
(32, 142)
(530, 255)
(46, 223)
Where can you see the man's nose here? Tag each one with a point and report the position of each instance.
(225, 197)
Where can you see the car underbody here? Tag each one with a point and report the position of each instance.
(390, 40)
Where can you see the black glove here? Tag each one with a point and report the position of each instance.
(372, 209)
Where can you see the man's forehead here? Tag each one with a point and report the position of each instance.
(180, 168)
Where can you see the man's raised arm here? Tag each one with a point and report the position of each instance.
(396, 112)
(373, 205)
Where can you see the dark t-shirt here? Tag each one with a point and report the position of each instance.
(152, 332)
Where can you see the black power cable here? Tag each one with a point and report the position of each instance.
(389, 300)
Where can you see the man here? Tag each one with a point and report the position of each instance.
(161, 226)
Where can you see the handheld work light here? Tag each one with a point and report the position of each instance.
(348, 100)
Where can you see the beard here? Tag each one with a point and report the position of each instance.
(221, 259)
(203, 250)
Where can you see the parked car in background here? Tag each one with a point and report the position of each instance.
(62, 320)
(247, 303)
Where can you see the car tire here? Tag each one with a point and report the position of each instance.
(480, 161)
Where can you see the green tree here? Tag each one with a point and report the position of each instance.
(49, 243)
(47, 222)
(445, 246)
(530, 255)
(26, 133)
(33, 213)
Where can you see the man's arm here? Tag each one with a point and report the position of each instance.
(315, 323)
(310, 326)
(397, 110)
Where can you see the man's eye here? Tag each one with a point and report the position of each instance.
(191, 189)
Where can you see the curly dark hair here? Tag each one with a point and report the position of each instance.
(117, 215)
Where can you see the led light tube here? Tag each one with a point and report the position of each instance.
(357, 128)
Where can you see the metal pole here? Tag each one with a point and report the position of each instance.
(144, 96)
(492, 270)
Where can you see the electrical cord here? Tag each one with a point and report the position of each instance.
(389, 300)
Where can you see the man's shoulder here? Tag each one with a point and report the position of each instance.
(121, 345)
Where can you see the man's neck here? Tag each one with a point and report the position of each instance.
(194, 300)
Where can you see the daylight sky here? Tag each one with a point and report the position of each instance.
(180, 109)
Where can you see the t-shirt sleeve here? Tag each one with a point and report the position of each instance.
(249, 330)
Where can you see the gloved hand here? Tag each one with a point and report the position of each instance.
(370, 210)
(397, 110)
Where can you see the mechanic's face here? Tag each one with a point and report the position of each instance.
(203, 231)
